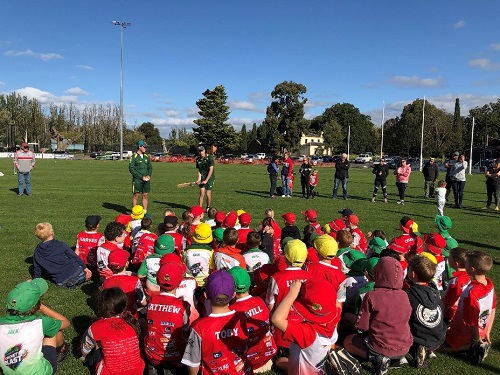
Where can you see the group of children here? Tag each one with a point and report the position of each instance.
(220, 296)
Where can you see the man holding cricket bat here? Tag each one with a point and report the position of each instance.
(140, 168)
(205, 164)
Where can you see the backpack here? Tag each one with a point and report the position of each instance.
(339, 361)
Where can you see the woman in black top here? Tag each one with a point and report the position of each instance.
(305, 171)
(380, 171)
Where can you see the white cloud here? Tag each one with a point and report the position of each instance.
(485, 64)
(2, 83)
(415, 81)
(242, 105)
(76, 91)
(85, 67)
(495, 46)
(171, 113)
(36, 55)
(45, 97)
(459, 25)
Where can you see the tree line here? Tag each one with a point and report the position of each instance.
(98, 126)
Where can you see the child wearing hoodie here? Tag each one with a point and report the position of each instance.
(64, 267)
(385, 330)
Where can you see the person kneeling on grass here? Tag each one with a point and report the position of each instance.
(31, 339)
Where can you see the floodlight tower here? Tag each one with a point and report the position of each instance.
(123, 25)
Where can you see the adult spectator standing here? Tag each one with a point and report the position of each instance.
(402, 177)
(305, 172)
(342, 166)
(493, 183)
(24, 162)
(380, 171)
(431, 173)
(272, 169)
(205, 164)
(141, 168)
(286, 174)
(448, 165)
(457, 175)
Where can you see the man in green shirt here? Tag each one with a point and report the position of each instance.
(140, 168)
(205, 164)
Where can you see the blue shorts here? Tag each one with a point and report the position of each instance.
(76, 279)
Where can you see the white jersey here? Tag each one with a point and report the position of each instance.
(255, 259)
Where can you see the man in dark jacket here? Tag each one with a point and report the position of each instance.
(431, 173)
(341, 176)
(380, 171)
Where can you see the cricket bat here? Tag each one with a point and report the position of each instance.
(186, 184)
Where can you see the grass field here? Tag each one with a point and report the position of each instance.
(65, 192)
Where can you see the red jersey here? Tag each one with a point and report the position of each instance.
(119, 344)
(145, 247)
(330, 272)
(178, 240)
(242, 235)
(475, 308)
(413, 244)
(359, 240)
(132, 287)
(218, 344)
(279, 285)
(168, 327)
(102, 258)
(261, 345)
(86, 244)
(455, 288)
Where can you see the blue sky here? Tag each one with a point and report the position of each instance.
(359, 52)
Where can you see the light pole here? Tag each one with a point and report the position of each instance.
(123, 25)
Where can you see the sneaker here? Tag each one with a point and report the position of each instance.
(61, 355)
(486, 208)
(288, 196)
(385, 200)
(272, 197)
(283, 196)
(496, 208)
(402, 203)
(420, 356)
(19, 195)
(432, 355)
(399, 363)
(398, 202)
(373, 200)
(480, 352)
(380, 364)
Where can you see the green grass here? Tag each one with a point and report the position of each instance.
(65, 192)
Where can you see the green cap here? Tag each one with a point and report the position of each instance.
(377, 244)
(241, 279)
(164, 244)
(218, 234)
(25, 295)
(442, 222)
(353, 260)
(369, 265)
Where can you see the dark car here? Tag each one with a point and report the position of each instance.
(328, 159)
(94, 154)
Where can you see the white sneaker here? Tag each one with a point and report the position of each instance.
(398, 202)
(385, 200)
(373, 199)
(283, 196)
(402, 203)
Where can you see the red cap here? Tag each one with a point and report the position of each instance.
(219, 217)
(118, 259)
(406, 224)
(197, 211)
(170, 258)
(336, 225)
(230, 220)
(261, 278)
(310, 215)
(398, 245)
(289, 218)
(353, 219)
(170, 275)
(245, 218)
(315, 302)
(123, 219)
(435, 243)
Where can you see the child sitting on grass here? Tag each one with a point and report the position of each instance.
(54, 257)
(457, 284)
(31, 339)
(88, 240)
(115, 235)
(229, 256)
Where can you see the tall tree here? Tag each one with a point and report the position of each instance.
(213, 126)
(332, 136)
(285, 115)
(151, 133)
(458, 126)
(243, 138)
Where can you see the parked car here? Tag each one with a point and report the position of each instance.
(328, 159)
(109, 155)
(95, 154)
(315, 160)
(229, 157)
(127, 154)
(59, 154)
(363, 158)
(482, 166)
(159, 156)
(244, 156)
(261, 155)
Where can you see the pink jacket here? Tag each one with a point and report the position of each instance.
(403, 174)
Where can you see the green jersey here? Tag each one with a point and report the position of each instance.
(203, 165)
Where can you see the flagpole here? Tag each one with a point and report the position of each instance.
(382, 138)
(422, 137)
(348, 141)
(471, 144)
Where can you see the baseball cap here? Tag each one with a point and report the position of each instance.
(431, 159)
(141, 144)
(218, 234)
(398, 245)
(118, 259)
(336, 225)
(369, 265)
(137, 212)
(353, 219)
(203, 233)
(241, 279)
(25, 295)
(92, 221)
(170, 221)
(456, 153)
(123, 219)
(24, 144)
(230, 219)
(289, 218)
(315, 302)
(296, 252)
(220, 282)
(310, 215)
(197, 211)
(434, 243)
(164, 244)
(245, 218)
(261, 278)
(326, 246)
(219, 217)
(170, 275)
(406, 224)
(346, 212)
(171, 258)
(201, 148)
(377, 244)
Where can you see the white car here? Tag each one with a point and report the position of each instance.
(363, 158)
(58, 154)
(261, 155)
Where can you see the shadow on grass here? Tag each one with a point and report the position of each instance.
(484, 366)
(116, 207)
(476, 244)
(256, 193)
(173, 205)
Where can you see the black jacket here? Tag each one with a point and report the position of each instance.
(377, 168)
(342, 169)
(430, 171)
(427, 318)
